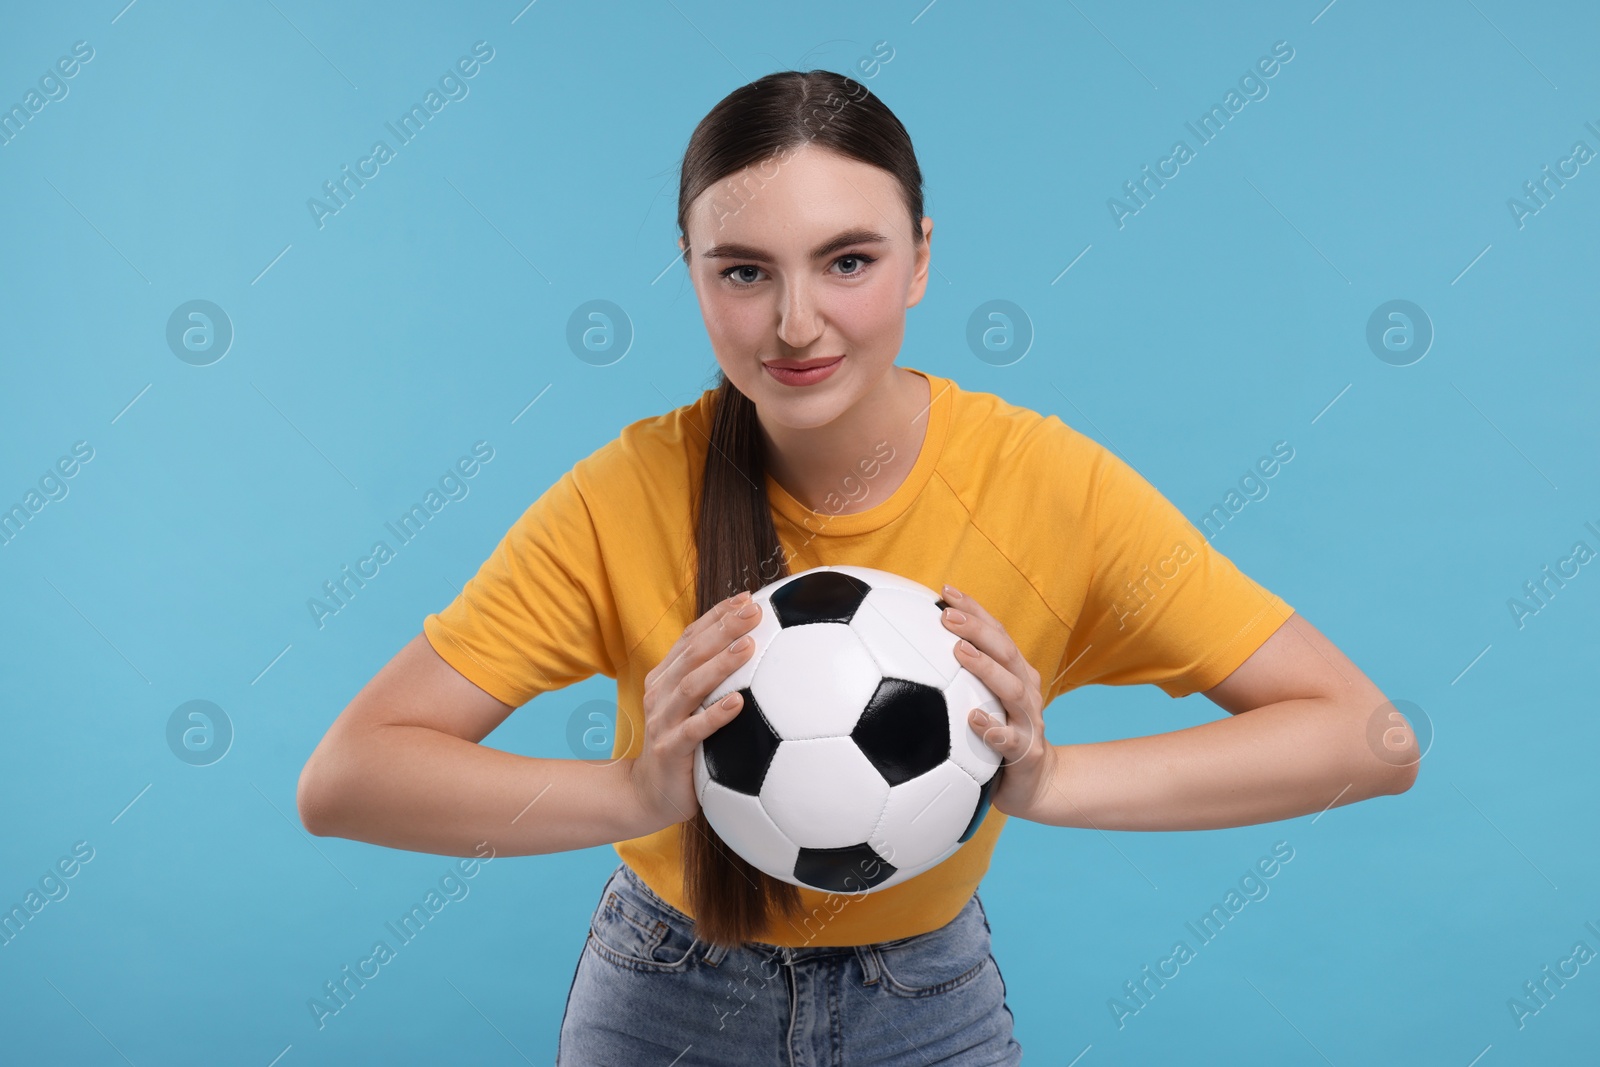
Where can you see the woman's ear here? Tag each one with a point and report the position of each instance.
(919, 276)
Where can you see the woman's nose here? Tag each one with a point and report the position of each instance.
(798, 321)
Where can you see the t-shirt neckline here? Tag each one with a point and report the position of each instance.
(825, 524)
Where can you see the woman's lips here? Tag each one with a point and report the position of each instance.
(811, 374)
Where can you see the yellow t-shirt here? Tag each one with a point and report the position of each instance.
(1095, 575)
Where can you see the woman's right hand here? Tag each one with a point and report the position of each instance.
(662, 775)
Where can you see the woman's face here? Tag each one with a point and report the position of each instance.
(807, 256)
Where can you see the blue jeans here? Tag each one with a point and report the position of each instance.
(648, 993)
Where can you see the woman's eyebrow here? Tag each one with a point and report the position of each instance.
(822, 251)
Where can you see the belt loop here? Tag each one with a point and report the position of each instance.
(714, 953)
(869, 964)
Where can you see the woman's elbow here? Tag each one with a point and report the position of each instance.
(1390, 751)
(314, 795)
(1397, 780)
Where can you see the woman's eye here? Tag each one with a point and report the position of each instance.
(740, 271)
(740, 280)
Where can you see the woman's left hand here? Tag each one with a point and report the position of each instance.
(989, 653)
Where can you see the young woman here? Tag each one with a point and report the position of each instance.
(801, 223)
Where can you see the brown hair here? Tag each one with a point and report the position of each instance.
(736, 542)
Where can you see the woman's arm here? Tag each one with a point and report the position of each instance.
(402, 767)
(1308, 730)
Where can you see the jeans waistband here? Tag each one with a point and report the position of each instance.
(713, 954)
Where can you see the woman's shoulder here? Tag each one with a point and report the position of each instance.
(992, 435)
(650, 437)
(654, 456)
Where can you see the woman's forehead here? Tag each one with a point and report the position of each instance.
(795, 204)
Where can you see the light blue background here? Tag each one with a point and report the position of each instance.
(370, 354)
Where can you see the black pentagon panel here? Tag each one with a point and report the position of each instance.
(904, 730)
(826, 596)
(851, 869)
(982, 809)
(739, 754)
(940, 604)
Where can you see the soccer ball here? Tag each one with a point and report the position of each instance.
(851, 766)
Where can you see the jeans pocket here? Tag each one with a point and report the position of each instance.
(628, 931)
(938, 961)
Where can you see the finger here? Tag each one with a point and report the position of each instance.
(995, 733)
(1011, 740)
(729, 621)
(962, 602)
(966, 617)
(952, 595)
(1000, 679)
(692, 690)
(693, 643)
(985, 631)
(703, 725)
(730, 627)
(1023, 724)
(713, 616)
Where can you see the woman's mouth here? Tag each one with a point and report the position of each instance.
(810, 372)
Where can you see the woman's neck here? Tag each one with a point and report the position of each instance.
(824, 468)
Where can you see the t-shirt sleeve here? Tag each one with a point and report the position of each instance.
(1163, 606)
(537, 615)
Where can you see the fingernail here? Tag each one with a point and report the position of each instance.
(729, 700)
(749, 610)
(954, 616)
(952, 592)
(966, 646)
